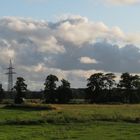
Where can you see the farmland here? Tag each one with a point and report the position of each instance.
(79, 122)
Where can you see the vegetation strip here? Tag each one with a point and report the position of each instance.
(64, 114)
(30, 106)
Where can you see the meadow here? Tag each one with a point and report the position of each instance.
(70, 122)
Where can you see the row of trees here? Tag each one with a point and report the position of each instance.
(100, 88)
(100, 81)
(62, 94)
(102, 85)
(52, 93)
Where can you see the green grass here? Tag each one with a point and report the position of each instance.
(72, 113)
(71, 122)
(94, 131)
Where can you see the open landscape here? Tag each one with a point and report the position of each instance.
(70, 122)
(69, 70)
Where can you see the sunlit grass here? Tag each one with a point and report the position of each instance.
(70, 122)
(70, 113)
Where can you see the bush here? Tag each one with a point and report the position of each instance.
(19, 100)
(30, 106)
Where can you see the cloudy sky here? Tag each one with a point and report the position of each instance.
(71, 39)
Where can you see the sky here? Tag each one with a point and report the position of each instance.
(119, 13)
(71, 39)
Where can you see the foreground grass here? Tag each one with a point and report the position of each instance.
(81, 122)
(79, 131)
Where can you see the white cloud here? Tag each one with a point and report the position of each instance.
(6, 52)
(79, 30)
(40, 48)
(87, 60)
(40, 68)
(51, 45)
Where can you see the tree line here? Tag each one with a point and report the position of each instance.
(104, 88)
(101, 88)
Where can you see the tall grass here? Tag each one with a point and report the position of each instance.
(56, 114)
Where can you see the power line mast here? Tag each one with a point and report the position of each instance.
(10, 76)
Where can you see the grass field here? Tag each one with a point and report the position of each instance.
(71, 122)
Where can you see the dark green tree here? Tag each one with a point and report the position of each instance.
(50, 89)
(1, 92)
(20, 88)
(109, 80)
(128, 83)
(64, 92)
(94, 86)
(97, 83)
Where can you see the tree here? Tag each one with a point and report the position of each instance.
(50, 88)
(129, 82)
(64, 92)
(20, 88)
(97, 83)
(1, 92)
(109, 80)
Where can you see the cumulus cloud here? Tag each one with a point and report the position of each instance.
(87, 60)
(51, 45)
(73, 48)
(80, 30)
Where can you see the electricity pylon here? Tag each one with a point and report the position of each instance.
(10, 76)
